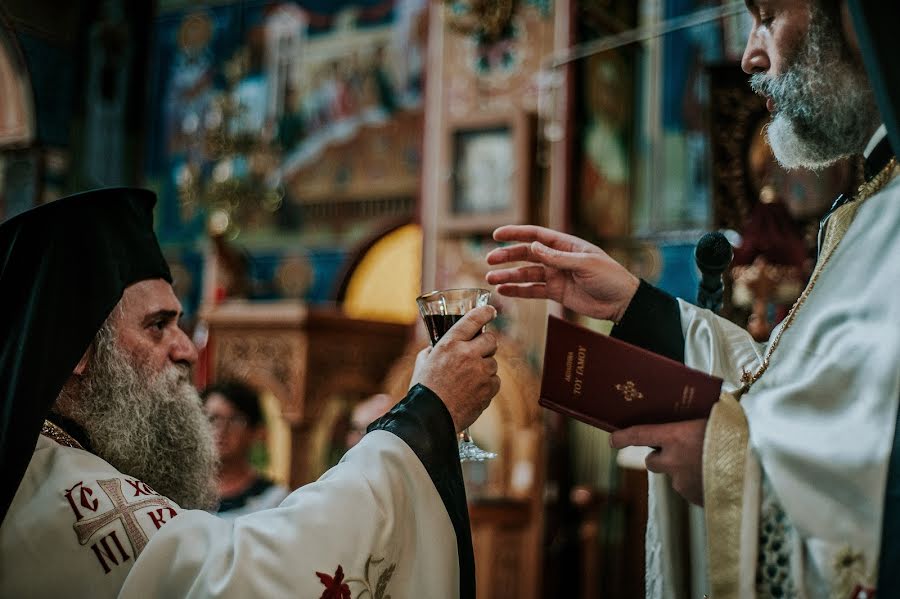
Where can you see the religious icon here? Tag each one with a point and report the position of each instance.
(484, 168)
(489, 165)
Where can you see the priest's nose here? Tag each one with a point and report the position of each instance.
(755, 59)
(183, 349)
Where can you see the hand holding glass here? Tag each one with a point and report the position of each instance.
(441, 310)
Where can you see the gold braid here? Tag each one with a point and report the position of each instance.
(59, 435)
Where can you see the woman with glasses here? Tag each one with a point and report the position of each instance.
(234, 412)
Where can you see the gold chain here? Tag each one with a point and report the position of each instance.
(865, 191)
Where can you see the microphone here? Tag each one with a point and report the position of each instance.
(713, 255)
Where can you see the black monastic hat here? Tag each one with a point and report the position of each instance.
(63, 268)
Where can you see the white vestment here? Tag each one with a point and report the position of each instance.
(821, 419)
(267, 499)
(78, 527)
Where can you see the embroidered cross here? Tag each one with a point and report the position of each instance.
(122, 510)
(629, 391)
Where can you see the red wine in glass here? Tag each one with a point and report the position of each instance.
(438, 324)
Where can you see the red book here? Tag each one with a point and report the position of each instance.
(611, 384)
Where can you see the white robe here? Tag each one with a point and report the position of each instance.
(821, 419)
(79, 528)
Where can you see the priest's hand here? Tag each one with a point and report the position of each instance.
(678, 452)
(564, 268)
(461, 368)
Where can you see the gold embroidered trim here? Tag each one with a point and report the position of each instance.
(59, 435)
(724, 460)
(838, 225)
(727, 434)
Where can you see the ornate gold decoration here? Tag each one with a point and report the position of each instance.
(483, 18)
(629, 391)
(295, 276)
(277, 356)
(849, 567)
(724, 460)
(242, 164)
(756, 285)
(195, 32)
(59, 435)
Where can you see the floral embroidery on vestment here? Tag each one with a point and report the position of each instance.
(336, 587)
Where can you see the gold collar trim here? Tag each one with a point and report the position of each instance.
(59, 435)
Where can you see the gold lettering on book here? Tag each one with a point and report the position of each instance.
(579, 370)
(629, 391)
(687, 398)
(568, 376)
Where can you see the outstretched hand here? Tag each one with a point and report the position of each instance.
(461, 368)
(564, 268)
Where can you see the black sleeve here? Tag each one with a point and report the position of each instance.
(652, 321)
(888, 573)
(423, 422)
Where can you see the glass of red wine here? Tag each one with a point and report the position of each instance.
(440, 310)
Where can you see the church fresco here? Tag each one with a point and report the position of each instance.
(255, 109)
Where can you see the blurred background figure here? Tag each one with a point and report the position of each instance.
(238, 426)
(365, 413)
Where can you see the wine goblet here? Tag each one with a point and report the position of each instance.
(441, 310)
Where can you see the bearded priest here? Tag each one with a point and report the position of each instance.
(792, 466)
(107, 458)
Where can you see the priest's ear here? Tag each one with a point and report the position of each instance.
(83, 362)
(849, 30)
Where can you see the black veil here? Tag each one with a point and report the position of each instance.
(63, 268)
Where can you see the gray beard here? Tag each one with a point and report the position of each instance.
(151, 427)
(825, 109)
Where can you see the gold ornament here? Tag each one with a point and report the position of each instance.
(485, 18)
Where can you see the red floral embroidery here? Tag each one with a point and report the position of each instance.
(861, 592)
(335, 587)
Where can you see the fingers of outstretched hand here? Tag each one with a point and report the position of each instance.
(549, 237)
(522, 233)
(560, 259)
(512, 253)
(536, 251)
(527, 290)
(522, 274)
